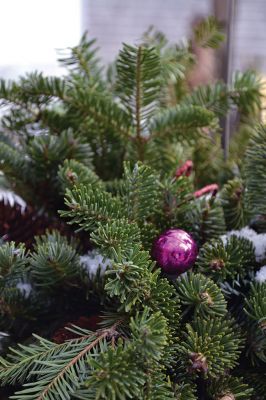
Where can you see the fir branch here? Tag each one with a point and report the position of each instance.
(255, 167)
(139, 191)
(82, 59)
(210, 346)
(235, 207)
(255, 304)
(229, 387)
(213, 97)
(138, 85)
(182, 117)
(99, 110)
(246, 92)
(53, 264)
(224, 261)
(116, 237)
(61, 376)
(128, 279)
(74, 173)
(200, 294)
(90, 206)
(208, 33)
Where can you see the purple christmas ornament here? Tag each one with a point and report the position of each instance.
(175, 251)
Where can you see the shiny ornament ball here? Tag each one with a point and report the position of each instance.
(175, 251)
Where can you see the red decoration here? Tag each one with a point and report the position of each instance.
(213, 189)
(185, 169)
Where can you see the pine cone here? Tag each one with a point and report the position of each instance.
(21, 225)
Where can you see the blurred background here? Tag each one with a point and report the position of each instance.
(31, 30)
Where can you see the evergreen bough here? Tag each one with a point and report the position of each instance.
(97, 156)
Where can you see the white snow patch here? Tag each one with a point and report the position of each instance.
(261, 275)
(25, 288)
(9, 197)
(93, 261)
(258, 240)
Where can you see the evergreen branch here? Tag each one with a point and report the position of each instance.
(53, 264)
(255, 175)
(81, 59)
(178, 118)
(176, 198)
(229, 387)
(90, 206)
(138, 99)
(208, 33)
(129, 280)
(212, 97)
(257, 380)
(235, 207)
(210, 346)
(138, 70)
(21, 360)
(116, 237)
(9, 92)
(33, 88)
(13, 259)
(200, 293)
(255, 304)
(66, 368)
(170, 307)
(37, 88)
(246, 92)
(100, 110)
(48, 152)
(13, 163)
(224, 261)
(185, 391)
(74, 173)
(146, 330)
(205, 218)
(116, 371)
(139, 191)
(62, 376)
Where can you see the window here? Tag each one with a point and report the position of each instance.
(32, 30)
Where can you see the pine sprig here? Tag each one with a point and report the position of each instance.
(247, 92)
(60, 376)
(255, 305)
(53, 264)
(90, 206)
(139, 191)
(229, 387)
(200, 294)
(222, 261)
(255, 176)
(138, 74)
(74, 173)
(208, 33)
(129, 279)
(180, 118)
(116, 237)
(82, 60)
(213, 97)
(210, 346)
(235, 207)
